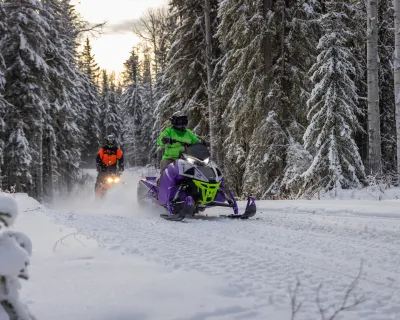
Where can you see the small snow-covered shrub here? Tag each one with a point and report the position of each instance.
(15, 250)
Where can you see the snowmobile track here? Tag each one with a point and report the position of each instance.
(260, 259)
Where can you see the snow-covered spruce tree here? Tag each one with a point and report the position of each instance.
(3, 102)
(104, 103)
(90, 98)
(27, 80)
(64, 99)
(268, 47)
(185, 77)
(113, 115)
(15, 252)
(333, 110)
(295, 27)
(240, 33)
(131, 105)
(147, 110)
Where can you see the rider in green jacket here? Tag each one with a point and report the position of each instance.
(177, 131)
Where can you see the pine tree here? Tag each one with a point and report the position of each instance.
(185, 75)
(3, 102)
(147, 120)
(241, 39)
(333, 110)
(26, 83)
(90, 98)
(88, 63)
(132, 104)
(268, 47)
(113, 116)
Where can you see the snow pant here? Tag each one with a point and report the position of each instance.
(164, 164)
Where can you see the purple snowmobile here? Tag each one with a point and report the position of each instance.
(190, 185)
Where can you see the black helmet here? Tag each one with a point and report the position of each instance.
(179, 121)
(110, 139)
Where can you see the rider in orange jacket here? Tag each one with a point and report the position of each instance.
(110, 159)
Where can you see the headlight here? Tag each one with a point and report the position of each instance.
(116, 180)
(191, 160)
(109, 180)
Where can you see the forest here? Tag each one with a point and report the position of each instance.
(294, 96)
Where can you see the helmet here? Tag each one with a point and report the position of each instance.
(110, 139)
(179, 121)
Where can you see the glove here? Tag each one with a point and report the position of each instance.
(206, 143)
(166, 140)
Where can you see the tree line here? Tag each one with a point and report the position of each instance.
(295, 96)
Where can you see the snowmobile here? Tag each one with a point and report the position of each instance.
(108, 181)
(190, 185)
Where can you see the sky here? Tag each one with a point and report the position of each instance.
(113, 46)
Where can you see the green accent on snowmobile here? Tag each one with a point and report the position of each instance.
(208, 190)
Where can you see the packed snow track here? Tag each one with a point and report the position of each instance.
(258, 262)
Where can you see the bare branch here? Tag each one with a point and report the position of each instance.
(346, 304)
(96, 28)
(293, 299)
(60, 241)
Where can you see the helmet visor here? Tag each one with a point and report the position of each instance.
(110, 139)
(181, 122)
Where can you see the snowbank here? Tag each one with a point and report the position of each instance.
(368, 193)
(78, 275)
(387, 208)
(8, 210)
(15, 251)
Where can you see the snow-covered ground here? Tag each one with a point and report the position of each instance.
(121, 262)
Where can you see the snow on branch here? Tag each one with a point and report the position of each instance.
(15, 251)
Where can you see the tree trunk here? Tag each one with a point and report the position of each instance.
(267, 49)
(207, 13)
(397, 77)
(375, 162)
(39, 165)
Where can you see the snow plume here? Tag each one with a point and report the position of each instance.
(119, 201)
(15, 250)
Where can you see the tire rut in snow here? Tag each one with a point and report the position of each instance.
(256, 260)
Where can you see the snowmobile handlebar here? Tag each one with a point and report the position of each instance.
(185, 144)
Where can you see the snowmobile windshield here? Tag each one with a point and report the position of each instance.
(198, 151)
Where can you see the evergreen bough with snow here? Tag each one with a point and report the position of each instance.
(15, 250)
(333, 112)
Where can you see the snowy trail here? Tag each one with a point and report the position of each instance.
(259, 261)
(256, 261)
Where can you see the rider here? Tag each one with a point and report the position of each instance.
(110, 158)
(177, 131)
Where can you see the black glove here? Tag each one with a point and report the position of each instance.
(206, 143)
(166, 140)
